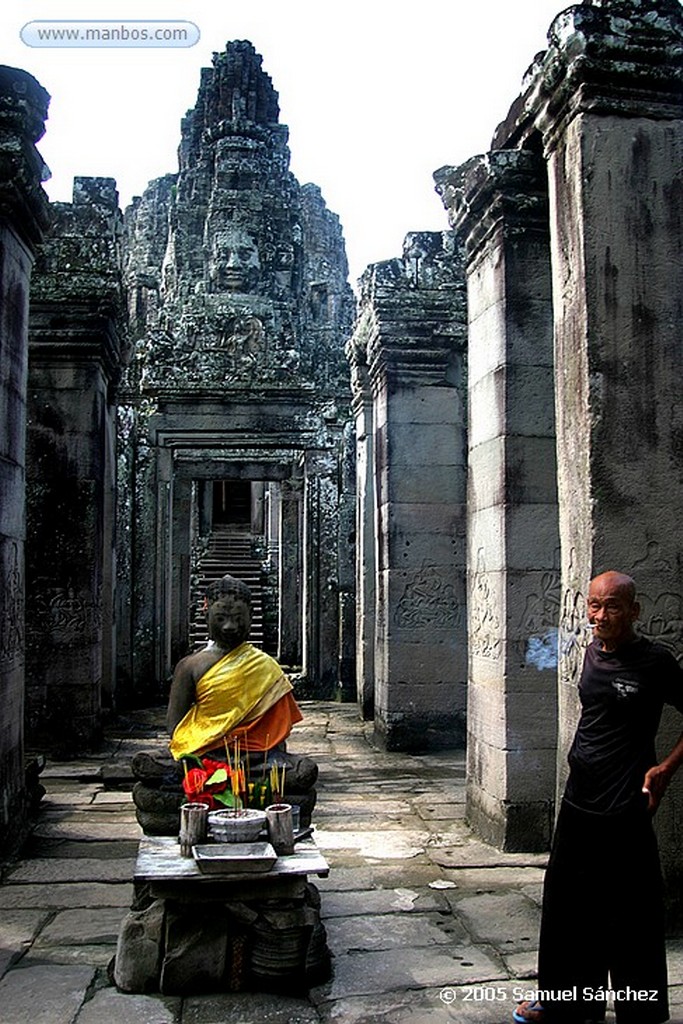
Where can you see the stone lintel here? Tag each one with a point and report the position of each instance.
(23, 111)
(504, 190)
(620, 57)
(193, 466)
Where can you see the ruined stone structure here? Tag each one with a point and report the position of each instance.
(78, 345)
(515, 395)
(23, 219)
(239, 297)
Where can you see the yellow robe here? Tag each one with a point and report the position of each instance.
(239, 688)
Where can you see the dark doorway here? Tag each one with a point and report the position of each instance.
(232, 502)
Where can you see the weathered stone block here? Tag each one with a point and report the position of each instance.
(140, 949)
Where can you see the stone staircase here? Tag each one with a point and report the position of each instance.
(229, 551)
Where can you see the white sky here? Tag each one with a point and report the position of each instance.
(376, 94)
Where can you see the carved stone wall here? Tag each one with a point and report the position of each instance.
(23, 218)
(77, 343)
(240, 306)
(408, 365)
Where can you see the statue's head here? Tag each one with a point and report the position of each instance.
(229, 612)
(235, 263)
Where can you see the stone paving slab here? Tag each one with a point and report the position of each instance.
(527, 879)
(85, 830)
(477, 854)
(383, 845)
(111, 1007)
(18, 928)
(507, 919)
(116, 798)
(91, 894)
(82, 927)
(59, 801)
(66, 849)
(347, 934)
(396, 874)
(247, 1008)
(382, 901)
(369, 973)
(90, 956)
(85, 869)
(46, 994)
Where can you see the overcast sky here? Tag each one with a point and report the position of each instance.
(377, 95)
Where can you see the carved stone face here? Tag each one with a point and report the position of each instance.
(235, 264)
(229, 621)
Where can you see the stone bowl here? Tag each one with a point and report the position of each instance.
(243, 826)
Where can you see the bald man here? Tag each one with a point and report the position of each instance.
(602, 925)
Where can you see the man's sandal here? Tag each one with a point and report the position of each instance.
(528, 1012)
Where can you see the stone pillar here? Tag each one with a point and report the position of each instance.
(77, 344)
(356, 352)
(163, 576)
(180, 567)
(205, 510)
(23, 218)
(273, 504)
(607, 97)
(412, 323)
(290, 575)
(258, 521)
(499, 205)
(320, 604)
(346, 551)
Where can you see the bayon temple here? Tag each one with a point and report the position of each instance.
(421, 480)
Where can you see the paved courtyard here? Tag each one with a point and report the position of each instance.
(426, 923)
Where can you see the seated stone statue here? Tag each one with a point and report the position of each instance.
(229, 693)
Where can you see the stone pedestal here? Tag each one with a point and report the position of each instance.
(499, 205)
(23, 218)
(189, 933)
(412, 329)
(77, 344)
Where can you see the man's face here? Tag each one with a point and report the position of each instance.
(229, 621)
(611, 611)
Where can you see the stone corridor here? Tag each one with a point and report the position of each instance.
(426, 923)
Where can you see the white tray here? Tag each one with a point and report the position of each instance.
(234, 858)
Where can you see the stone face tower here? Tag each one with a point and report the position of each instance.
(240, 303)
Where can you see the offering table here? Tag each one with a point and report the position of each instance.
(191, 932)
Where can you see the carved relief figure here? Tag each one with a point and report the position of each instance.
(429, 600)
(484, 623)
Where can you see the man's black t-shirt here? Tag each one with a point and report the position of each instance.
(622, 694)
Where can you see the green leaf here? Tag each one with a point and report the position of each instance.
(220, 775)
(227, 799)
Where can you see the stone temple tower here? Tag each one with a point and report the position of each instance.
(239, 301)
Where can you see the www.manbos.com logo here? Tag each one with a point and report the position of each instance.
(110, 33)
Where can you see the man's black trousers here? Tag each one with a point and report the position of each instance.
(602, 924)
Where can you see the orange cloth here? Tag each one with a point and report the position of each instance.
(271, 728)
